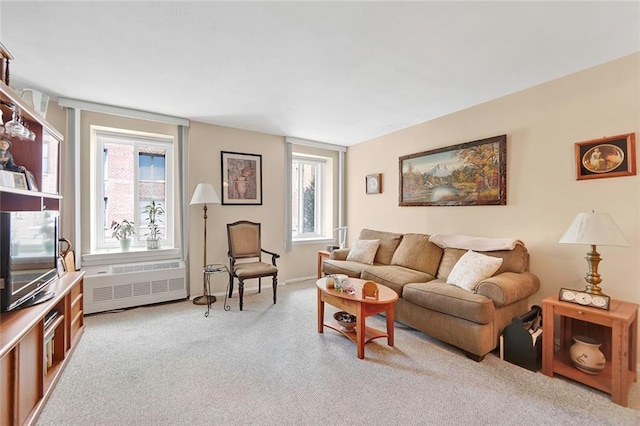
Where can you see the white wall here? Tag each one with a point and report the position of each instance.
(205, 145)
(543, 196)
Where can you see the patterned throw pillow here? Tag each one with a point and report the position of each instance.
(472, 268)
(363, 251)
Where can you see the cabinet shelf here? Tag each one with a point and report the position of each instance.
(27, 193)
(52, 327)
(8, 96)
(562, 365)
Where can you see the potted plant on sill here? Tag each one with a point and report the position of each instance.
(154, 212)
(123, 233)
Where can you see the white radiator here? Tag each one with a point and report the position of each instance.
(134, 284)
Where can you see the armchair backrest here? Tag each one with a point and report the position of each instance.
(244, 239)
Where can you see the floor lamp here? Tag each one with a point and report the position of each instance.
(204, 194)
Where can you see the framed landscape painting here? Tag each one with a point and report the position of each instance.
(468, 174)
(241, 178)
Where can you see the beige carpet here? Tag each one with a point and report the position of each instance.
(267, 365)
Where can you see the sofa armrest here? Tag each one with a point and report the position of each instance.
(339, 254)
(509, 287)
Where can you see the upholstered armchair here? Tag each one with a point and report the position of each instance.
(245, 258)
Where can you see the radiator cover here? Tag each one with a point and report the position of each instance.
(133, 284)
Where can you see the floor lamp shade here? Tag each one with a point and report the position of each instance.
(204, 194)
(594, 229)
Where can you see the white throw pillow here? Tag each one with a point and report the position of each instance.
(472, 268)
(363, 251)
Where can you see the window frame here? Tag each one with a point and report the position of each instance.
(101, 135)
(319, 206)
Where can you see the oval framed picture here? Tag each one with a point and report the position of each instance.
(603, 158)
(606, 157)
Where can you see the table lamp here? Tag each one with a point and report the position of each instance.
(594, 229)
(204, 194)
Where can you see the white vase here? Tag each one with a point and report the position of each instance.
(153, 244)
(125, 244)
(586, 355)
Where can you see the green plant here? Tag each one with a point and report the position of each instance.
(122, 231)
(154, 212)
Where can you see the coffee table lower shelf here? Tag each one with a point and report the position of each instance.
(369, 334)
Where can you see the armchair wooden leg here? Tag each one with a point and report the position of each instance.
(275, 286)
(241, 291)
(259, 285)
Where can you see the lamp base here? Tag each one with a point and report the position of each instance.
(204, 300)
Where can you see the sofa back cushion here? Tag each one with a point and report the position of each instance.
(388, 243)
(363, 251)
(516, 260)
(416, 252)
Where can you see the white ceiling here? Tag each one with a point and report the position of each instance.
(337, 72)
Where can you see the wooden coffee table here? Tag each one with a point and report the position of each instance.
(361, 308)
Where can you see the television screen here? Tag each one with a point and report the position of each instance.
(28, 254)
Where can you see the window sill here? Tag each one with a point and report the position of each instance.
(314, 240)
(135, 254)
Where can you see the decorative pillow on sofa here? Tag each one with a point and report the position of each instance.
(363, 251)
(472, 268)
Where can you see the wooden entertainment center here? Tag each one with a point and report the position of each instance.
(28, 371)
(36, 341)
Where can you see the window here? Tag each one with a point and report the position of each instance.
(315, 199)
(307, 197)
(132, 169)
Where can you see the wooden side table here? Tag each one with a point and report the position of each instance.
(322, 254)
(616, 328)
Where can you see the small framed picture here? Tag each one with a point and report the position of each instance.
(606, 157)
(241, 178)
(60, 267)
(19, 180)
(373, 183)
(31, 181)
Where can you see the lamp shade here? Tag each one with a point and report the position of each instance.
(204, 194)
(594, 229)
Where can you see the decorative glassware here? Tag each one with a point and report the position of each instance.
(13, 127)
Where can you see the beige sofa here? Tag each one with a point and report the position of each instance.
(417, 269)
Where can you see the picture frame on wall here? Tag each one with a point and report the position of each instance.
(606, 157)
(373, 183)
(468, 174)
(241, 178)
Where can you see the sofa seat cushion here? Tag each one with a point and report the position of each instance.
(449, 299)
(351, 269)
(388, 243)
(415, 251)
(393, 276)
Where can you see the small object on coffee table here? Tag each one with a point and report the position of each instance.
(346, 321)
(370, 290)
(330, 280)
